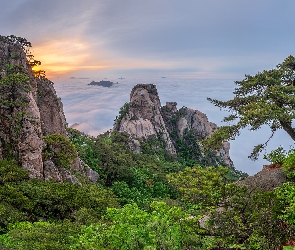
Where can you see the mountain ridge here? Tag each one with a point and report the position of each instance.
(144, 117)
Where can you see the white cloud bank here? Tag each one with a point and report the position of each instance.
(94, 108)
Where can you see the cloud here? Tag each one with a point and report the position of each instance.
(207, 36)
(66, 56)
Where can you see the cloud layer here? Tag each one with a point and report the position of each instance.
(94, 108)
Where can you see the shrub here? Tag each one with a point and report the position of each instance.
(60, 150)
(10, 172)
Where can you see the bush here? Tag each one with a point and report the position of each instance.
(61, 200)
(60, 150)
(40, 236)
(10, 172)
(133, 228)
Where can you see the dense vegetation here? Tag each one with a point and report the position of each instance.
(143, 201)
(151, 200)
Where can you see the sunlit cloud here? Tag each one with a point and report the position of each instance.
(65, 56)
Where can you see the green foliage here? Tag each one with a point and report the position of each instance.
(156, 145)
(283, 158)
(33, 199)
(142, 190)
(60, 150)
(139, 178)
(286, 194)
(10, 172)
(122, 113)
(133, 177)
(60, 200)
(9, 196)
(276, 156)
(232, 214)
(132, 228)
(205, 187)
(10, 215)
(40, 235)
(85, 146)
(12, 88)
(264, 99)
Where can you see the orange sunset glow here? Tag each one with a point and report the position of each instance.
(63, 57)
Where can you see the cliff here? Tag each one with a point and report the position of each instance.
(30, 110)
(145, 118)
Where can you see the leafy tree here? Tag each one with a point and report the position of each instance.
(231, 215)
(267, 98)
(133, 228)
(286, 194)
(52, 200)
(283, 158)
(10, 198)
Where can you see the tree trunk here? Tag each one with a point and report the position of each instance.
(288, 128)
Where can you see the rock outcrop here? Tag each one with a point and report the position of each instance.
(266, 180)
(186, 120)
(30, 110)
(145, 118)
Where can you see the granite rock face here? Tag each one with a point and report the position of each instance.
(52, 117)
(146, 117)
(186, 120)
(36, 112)
(20, 130)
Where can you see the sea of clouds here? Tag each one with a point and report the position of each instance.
(94, 108)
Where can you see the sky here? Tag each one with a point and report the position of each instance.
(207, 38)
(143, 40)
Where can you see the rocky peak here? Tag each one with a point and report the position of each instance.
(145, 117)
(196, 120)
(30, 110)
(187, 121)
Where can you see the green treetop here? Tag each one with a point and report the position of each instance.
(266, 98)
